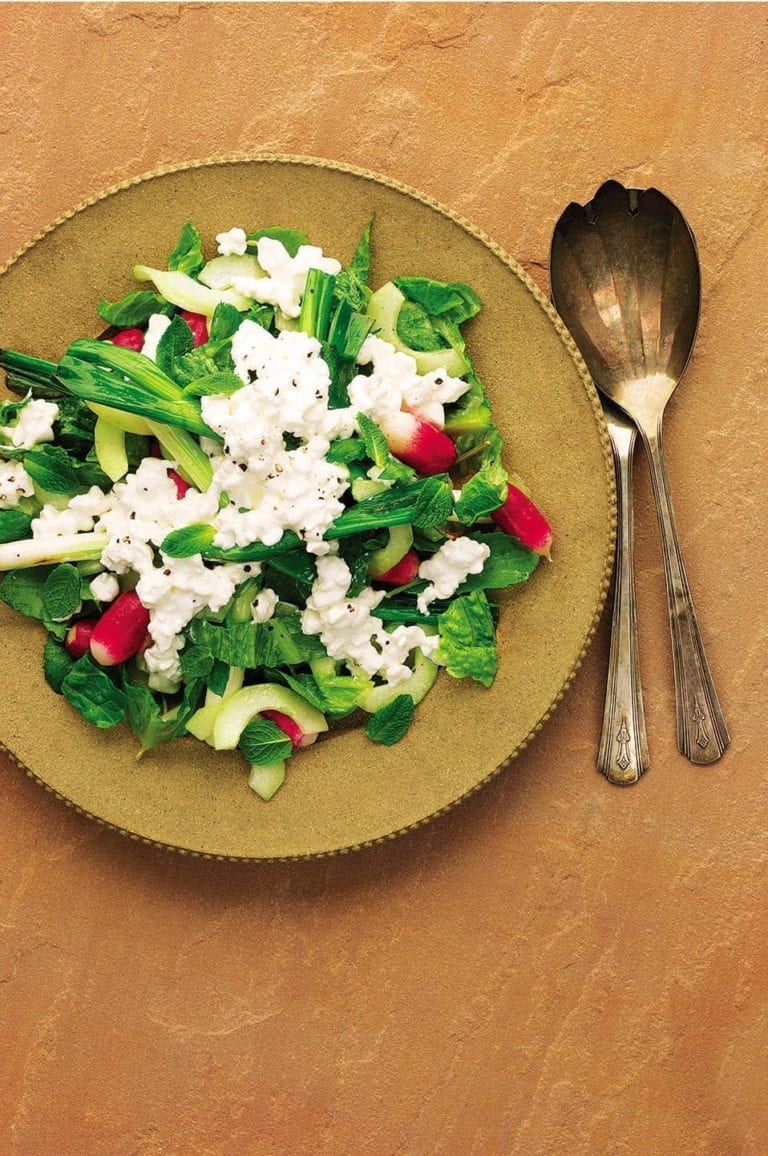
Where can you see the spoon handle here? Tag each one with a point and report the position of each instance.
(623, 753)
(702, 735)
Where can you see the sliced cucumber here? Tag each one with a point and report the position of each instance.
(400, 542)
(221, 271)
(187, 293)
(266, 780)
(109, 441)
(417, 685)
(236, 712)
(363, 488)
(130, 422)
(384, 307)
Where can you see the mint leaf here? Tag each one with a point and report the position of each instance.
(352, 281)
(415, 328)
(93, 693)
(434, 504)
(467, 641)
(149, 723)
(388, 725)
(22, 590)
(14, 525)
(174, 343)
(290, 239)
(263, 742)
(51, 468)
(188, 257)
(56, 664)
(344, 451)
(61, 592)
(217, 679)
(484, 492)
(223, 381)
(373, 439)
(509, 563)
(195, 662)
(225, 322)
(133, 310)
(188, 541)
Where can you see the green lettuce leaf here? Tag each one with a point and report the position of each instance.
(467, 640)
(187, 256)
(133, 310)
(93, 693)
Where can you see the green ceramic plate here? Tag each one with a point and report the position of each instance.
(343, 792)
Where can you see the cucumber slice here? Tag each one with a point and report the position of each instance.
(236, 712)
(417, 685)
(363, 488)
(221, 271)
(130, 422)
(187, 293)
(400, 542)
(203, 721)
(109, 441)
(383, 307)
(267, 779)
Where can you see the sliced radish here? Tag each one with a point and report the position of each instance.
(521, 518)
(121, 631)
(418, 443)
(129, 339)
(78, 640)
(291, 728)
(237, 711)
(179, 483)
(198, 323)
(402, 572)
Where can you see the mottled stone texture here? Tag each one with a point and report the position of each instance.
(557, 966)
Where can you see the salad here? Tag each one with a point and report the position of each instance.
(267, 497)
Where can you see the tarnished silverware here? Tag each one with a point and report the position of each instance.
(625, 280)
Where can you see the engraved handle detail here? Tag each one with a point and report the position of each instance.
(623, 753)
(702, 735)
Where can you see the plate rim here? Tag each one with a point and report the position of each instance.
(590, 389)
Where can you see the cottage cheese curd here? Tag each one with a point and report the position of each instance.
(15, 484)
(394, 383)
(233, 242)
(286, 276)
(448, 567)
(33, 425)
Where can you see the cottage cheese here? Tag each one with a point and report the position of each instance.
(395, 384)
(33, 425)
(233, 242)
(105, 587)
(15, 483)
(156, 327)
(264, 604)
(448, 567)
(286, 276)
(349, 630)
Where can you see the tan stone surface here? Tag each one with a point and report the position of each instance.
(557, 966)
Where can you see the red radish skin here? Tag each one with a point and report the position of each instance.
(419, 444)
(179, 483)
(120, 632)
(290, 728)
(129, 339)
(78, 640)
(402, 572)
(198, 323)
(522, 519)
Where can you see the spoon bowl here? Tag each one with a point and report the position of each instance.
(625, 279)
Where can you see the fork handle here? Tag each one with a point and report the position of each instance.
(702, 735)
(623, 752)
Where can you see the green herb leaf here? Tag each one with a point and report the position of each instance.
(195, 662)
(454, 300)
(61, 592)
(133, 310)
(415, 328)
(22, 590)
(217, 679)
(434, 504)
(484, 492)
(56, 664)
(150, 723)
(188, 257)
(467, 640)
(290, 239)
(390, 724)
(352, 282)
(223, 381)
(344, 451)
(225, 322)
(373, 439)
(174, 343)
(93, 693)
(51, 468)
(188, 541)
(14, 525)
(509, 563)
(263, 742)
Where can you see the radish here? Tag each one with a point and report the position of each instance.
(402, 572)
(291, 728)
(419, 443)
(198, 323)
(179, 483)
(121, 631)
(236, 712)
(129, 339)
(78, 640)
(521, 518)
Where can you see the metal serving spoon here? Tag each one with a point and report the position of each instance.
(625, 279)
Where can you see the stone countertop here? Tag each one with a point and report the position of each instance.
(556, 966)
